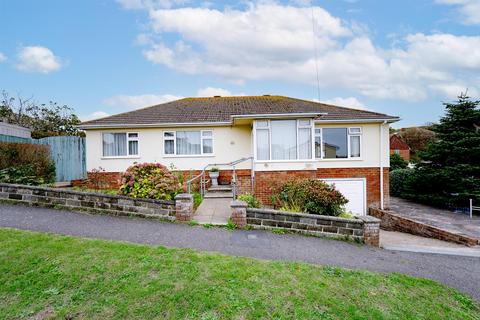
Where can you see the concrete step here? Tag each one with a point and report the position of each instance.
(218, 195)
(220, 188)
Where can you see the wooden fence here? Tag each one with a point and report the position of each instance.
(67, 152)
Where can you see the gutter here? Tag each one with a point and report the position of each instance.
(233, 117)
(155, 125)
(386, 120)
(278, 115)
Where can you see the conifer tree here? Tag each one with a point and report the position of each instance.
(449, 171)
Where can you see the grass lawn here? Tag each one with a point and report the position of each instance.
(64, 277)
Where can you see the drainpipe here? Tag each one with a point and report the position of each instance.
(381, 164)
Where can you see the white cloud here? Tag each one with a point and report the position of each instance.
(2, 57)
(350, 102)
(94, 115)
(138, 101)
(149, 4)
(37, 59)
(256, 43)
(210, 92)
(469, 9)
(146, 100)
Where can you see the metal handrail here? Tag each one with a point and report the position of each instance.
(232, 164)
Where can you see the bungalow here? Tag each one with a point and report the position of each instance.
(281, 137)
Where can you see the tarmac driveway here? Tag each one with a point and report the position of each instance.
(459, 272)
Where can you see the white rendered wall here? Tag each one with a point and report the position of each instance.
(232, 143)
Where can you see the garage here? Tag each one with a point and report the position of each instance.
(354, 189)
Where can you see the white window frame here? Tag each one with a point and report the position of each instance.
(268, 127)
(174, 139)
(350, 133)
(128, 139)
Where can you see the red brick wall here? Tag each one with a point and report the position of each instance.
(372, 176)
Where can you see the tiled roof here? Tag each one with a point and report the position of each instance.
(396, 143)
(221, 109)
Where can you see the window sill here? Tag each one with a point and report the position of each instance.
(120, 157)
(188, 156)
(338, 159)
(285, 161)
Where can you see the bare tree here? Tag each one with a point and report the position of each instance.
(44, 119)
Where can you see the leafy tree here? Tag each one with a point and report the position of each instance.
(397, 162)
(449, 173)
(45, 120)
(417, 138)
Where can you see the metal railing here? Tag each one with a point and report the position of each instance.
(203, 179)
(473, 208)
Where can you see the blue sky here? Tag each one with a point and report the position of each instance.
(103, 57)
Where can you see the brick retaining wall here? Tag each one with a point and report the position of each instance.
(84, 201)
(392, 221)
(364, 229)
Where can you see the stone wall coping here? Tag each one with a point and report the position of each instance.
(111, 196)
(184, 196)
(369, 219)
(305, 215)
(238, 204)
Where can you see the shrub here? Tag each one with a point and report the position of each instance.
(398, 179)
(26, 163)
(250, 199)
(310, 195)
(397, 162)
(150, 180)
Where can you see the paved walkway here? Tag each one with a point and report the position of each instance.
(400, 241)
(214, 211)
(459, 272)
(440, 218)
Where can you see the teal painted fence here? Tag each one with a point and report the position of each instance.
(67, 152)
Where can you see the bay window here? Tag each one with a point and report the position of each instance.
(338, 143)
(283, 139)
(188, 142)
(120, 144)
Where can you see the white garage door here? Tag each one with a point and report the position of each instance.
(354, 190)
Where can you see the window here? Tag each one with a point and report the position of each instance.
(338, 143)
(120, 144)
(188, 142)
(283, 139)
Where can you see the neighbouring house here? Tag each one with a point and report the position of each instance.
(14, 130)
(398, 146)
(285, 137)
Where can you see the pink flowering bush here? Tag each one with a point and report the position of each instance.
(308, 195)
(150, 180)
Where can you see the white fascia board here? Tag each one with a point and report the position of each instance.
(279, 115)
(390, 120)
